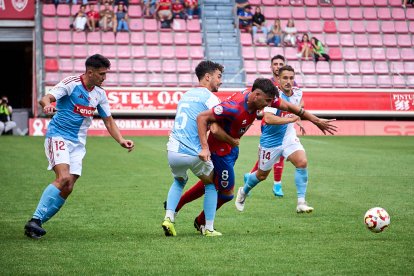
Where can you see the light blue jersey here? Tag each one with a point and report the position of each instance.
(184, 135)
(275, 135)
(75, 108)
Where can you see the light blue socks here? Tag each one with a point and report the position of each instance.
(210, 202)
(301, 181)
(49, 204)
(251, 182)
(174, 194)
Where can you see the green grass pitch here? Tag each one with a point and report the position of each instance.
(111, 224)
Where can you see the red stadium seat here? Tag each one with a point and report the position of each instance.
(51, 65)
(340, 81)
(248, 52)
(327, 13)
(311, 81)
(64, 37)
(125, 79)
(48, 10)
(301, 26)
(384, 81)
(124, 65)
(167, 52)
(370, 14)
(407, 53)
(49, 23)
(153, 52)
(323, 68)
(193, 26)
(246, 39)
(364, 54)
(52, 78)
(298, 13)
(398, 81)
(262, 66)
(255, 2)
(280, 2)
(329, 27)
(409, 14)
(366, 67)
(332, 40)
(339, 3)
(63, 23)
(170, 80)
(150, 25)
(375, 40)
(134, 11)
(179, 25)
(65, 51)
(355, 13)
(394, 3)
(109, 51)
(311, 3)
(79, 65)
(290, 53)
(49, 37)
(50, 50)
(123, 51)
(63, 10)
(361, 40)
(195, 39)
(121, 38)
(185, 80)
(155, 79)
(378, 53)
(316, 26)
(335, 54)
(358, 26)
(390, 40)
(250, 66)
(296, 65)
(381, 3)
(180, 39)
(401, 27)
(137, 38)
(308, 67)
(167, 38)
(196, 52)
(94, 38)
(276, 51)
(388, 27)
(74, 10)
(154, 65)
(66, 65)
(313, 13)
(346, 40)
(181, 52)
(94, 49)
(373, 27)
(349, 53)
(354, 81)
(269, 2)
(283, 13)
(325, 81)
(397, 67)
(381, 67)
(169, 66)
(111, 79)
(79, 51)
(393, 54)
(183, 66)
(271, 12)
(410, 81)
(79, 38)
(343, 27)
(341, 13)
(411, 27)
(262, 53)
(409, 67)
(352, 67)
(369, 81)
(139, 65)
(151, 38)
(384, 14)
(108, 38)
(353, 3)
(136, 25)
(398, 14)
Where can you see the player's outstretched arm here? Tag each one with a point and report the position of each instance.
(203, 119)
(46, 103)
(324, 125)
(221, 135)
(272, 119)
(116, 134)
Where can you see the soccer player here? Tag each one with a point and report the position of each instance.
(281, 140)
(184, 148)
(77, 99)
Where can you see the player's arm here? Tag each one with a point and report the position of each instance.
(221, 135)
(270, 117)
(46, 103)
(323, 124)
(116, 134)
(302, 129)
(203, 119)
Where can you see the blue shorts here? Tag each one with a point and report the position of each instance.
(224, 170)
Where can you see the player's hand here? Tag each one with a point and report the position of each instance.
(325, 126)
(204, 155)
(301, 128)
(128, 144)
(292, 118)
(236, 142)
(49, 109)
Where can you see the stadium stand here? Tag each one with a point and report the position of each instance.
(370, 43)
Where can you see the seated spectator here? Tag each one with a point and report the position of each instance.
(246, 19)
(110, 2)
(74, 2)
(275, 34)
(318, 50)
(164, 13)
(149, 8)
(121, 22)
(80, 20)
(290, 33)
(178, 10)
(93, 17)
(124, 2)
(240, 5)
(305, 47)
(258, 23)
(6, 124)
(107, 18)
(192, 8)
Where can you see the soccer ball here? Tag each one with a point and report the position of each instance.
(376, 219)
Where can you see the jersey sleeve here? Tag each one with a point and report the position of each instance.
(269, 109)
(226, 110)
(103, 106)
(275, 102)
(212, 101)
(60, 90)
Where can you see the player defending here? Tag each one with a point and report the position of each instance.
(77, 99)
(185, 151)
(281, 140)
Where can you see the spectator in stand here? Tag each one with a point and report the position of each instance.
(305, 47)
(275, 34)
(178, 10)
(149, 7)
(405, 2)
(192, 8)
(93, 18)
(80, 20)
(319, 50)
(246, 19)
(6, 124)
(290, 33)
(110, 2)
(107, 18)
(121, 22)
(74, 2)
(124, 2)
(164, 13)
(258, 23)
(240, 5)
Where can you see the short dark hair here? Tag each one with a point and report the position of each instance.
(286, 68)
(97, 61)
(267, 86)
(278, 57)
(207, 66)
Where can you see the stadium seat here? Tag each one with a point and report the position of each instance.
(151, 38)
(394, 3)
(50, 37)
(250, 78)
(66, 65)
(295, 65)
(153, 52)
(361, 40)
(407, 53)
(79, 65)
(195, 39)
(180, 39)
(167, 38)
(308, 67)
(349, 53)
(170, 80)
(79, 51)
(331, 40)
(51, 65)
(246, 39)
(411, 27)
(398, 14)
(398, 81)
(49, 23)
(301, 26)
(388, 27)
(108, 38)
(123, 51)
(378, 53)
(271, 12)
(369, 81)
(167, 52)
(179, 25)
(136, 25)
(392, 54)
(185, 80)
(384, 81)
(381, 3)
(340, 81)
(124, 65)
(193, 26)
(64, 37)
(353, 3)
(299, 78)
(63, 23)
(352, 67)
(312, 13)
(355, 14)
(401, 27)
(276, 51)
(343, 27)
(137, 38)
(183, 66)
(248, 52)
(370, 13)
(327, 13)
(94, 49)
(196, 52)
(354, 81)
(373, 27)
(290, 53)
(181, 52)
(381, 67)
(323, 68)
(125, 79)
(134, 11)
(346, 40)
(335, 53)
(358, 26)
(169, 66)
(298, 13)
(283, 13)
(262, 53)
(366, 67)
(255, 2)
(375, 40)
(315, 26)
(150, 25)
(269, 2)
(397, 67)
(111, 79)
(154, 65)
(250, 66)
(364, 53)
(52, 78)
(409, 68)
(48, 10)
(311, 3)
(410, 81)
(341, 13)
(310, 81)
(94, 38)
(155, 79)
(262, 67)
(329, 27)
(384, 13)
(63, 10)
(121, 38)
(65, 51)
(50, 50)
(390, 40)
(325, 81)
(409, 14)
(74, 10)
(139, 65)
(79, 38)
(281, 2)
(109, 51)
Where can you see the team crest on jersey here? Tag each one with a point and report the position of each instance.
(85, 111)
(218, 110)
(19, 5)
(224, 184)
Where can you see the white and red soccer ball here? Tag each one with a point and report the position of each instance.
(377, 219)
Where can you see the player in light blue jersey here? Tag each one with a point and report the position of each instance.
(281, 140)
(77, 99)
(184, 146)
